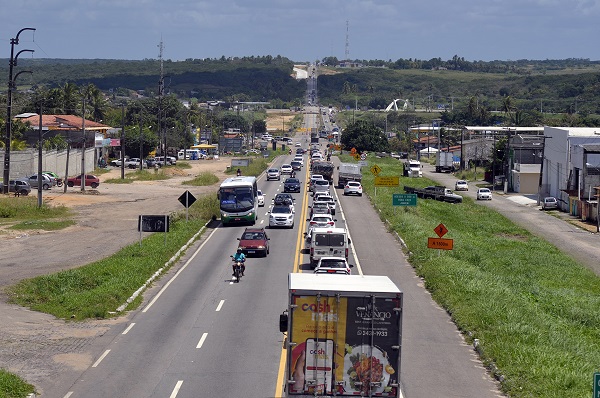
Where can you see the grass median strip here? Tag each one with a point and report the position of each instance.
(533, 309)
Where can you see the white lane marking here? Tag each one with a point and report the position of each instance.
(339, 206)
(128, 328)
(220, 305)
(179, 272)
(68, 394)
(262, 221)
(100, 359)
(204, 335)
(176, 389)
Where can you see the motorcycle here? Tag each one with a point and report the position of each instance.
(238, 270)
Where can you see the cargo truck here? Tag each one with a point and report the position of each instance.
(444, 162)
(323, 168)
(412, 168)
(344, 336)
(348, 172)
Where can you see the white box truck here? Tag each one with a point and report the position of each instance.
(344, 336)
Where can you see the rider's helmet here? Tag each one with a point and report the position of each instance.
(239, 250)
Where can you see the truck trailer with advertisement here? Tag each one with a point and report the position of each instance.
(344, 336)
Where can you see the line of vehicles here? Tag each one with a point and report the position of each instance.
(23, 186)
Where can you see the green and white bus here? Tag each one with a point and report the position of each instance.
(238, 200)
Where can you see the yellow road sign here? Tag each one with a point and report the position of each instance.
(357, 156)
(375, 169)
(387, 181)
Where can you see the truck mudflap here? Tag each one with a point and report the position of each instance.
(344, 346)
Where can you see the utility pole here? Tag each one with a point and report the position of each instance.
(161, 91)
(39, 172)
(123, 143)
(83, 147)
(11, 86)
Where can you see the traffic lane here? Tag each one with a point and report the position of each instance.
(571, 240)
(431, 343)
(151, 356)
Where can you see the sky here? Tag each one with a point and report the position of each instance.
(303, 31)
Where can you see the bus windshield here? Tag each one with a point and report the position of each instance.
(237, 199)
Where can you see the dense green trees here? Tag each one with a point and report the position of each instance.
(364, 136)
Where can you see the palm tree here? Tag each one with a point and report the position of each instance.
(508, 107)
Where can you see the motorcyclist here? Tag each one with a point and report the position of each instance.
(241, 257)
(239, 172)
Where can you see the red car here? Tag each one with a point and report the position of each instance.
(90, 181)
(254, 241)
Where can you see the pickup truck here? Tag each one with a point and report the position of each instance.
(131, 163)
(435, 192)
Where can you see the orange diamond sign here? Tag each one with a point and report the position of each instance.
(441, 230)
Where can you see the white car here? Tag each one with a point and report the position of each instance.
(353, 188)
(333, 265)
(322, 221)
(484, 194)
(281, 216)
(260, 198)
(325, 198)
(299, 159)
(286, 169)
(298, 144)
(461, 185)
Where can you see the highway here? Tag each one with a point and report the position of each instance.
(198, 334)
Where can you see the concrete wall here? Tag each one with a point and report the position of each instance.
(25, 163)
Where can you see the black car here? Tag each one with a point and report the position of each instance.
(283, 199)
(291, 185)
(296, 166)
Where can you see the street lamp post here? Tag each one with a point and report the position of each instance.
(11, 86)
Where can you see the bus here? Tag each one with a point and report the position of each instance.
(238, 200)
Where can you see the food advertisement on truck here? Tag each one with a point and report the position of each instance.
(345, 344)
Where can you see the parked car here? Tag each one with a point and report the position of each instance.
(353, 188)
(281, 216)
(20, 187)
(273, 174)
(59, 181)
(333, 265)
(254, 241)
(550, 202)
(286, 169)
(33, 181)
(260, 198)
(90, 180)
(484, 194)
(461, 185)
(291, 185)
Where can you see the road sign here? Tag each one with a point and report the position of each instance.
(441, 230)
(387, 181)
(187, 199)
(152, 223)
(363, 163)
(596, 385)
(363, 156)
(375, 169)
(404, 199)
(440, 243)
(356, 156)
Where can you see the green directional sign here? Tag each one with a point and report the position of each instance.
(404, 199)
(596, 385)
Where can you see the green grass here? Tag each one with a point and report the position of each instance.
(46, 225)
(141, 175)
(97, 289)
(533, 308)
(203, 179)
(257, 164)
(26, 209)
(12, 386)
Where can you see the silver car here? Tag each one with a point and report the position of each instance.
(273, 174)
(550, 202)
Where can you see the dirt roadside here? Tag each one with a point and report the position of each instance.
(37, 346)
